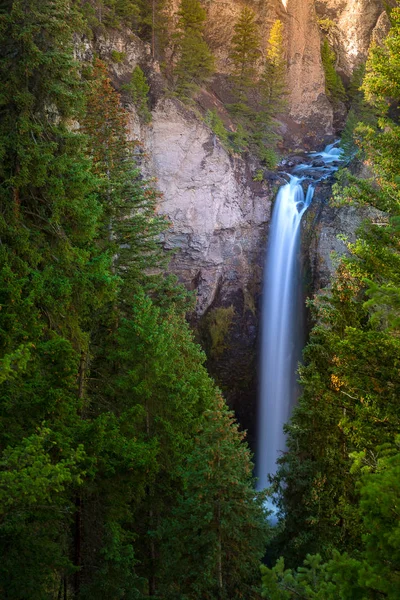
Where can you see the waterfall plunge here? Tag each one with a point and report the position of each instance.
(281, 317)
(280, 349)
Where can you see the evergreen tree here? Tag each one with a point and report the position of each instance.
(131, 224)
(155, 25)
(162, 380)
(273, 90)
(245, 53)
(333, 83)
(273, 85)
(52, 281)
(218, 532)
(111, 13)
(374, 572)
(138, 90)
(195, 63)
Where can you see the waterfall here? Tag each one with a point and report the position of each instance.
(282, 311)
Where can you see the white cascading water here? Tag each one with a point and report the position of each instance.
(280, 336)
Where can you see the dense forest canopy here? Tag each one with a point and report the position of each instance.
(123, 474)
(111, 429)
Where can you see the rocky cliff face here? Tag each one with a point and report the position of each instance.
(358, 22)
(218, 221)
(219, 216)
(309, 106)
(311, 115)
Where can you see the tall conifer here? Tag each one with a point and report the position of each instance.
(272, 89)
(195, 63)
(51, 285)
(217, 535)
(245, 52)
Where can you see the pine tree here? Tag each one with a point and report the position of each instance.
(111, 13)
(163, 384)
(273, 85)
(374, 570)
(245, 53)
(195, 64)
(218, 532)
(138, 90)
(273, 90)
(52, 281)
(154, 26)
(131, 223)
(333, 83)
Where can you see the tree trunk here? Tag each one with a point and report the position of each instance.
(153, 30)
(77, 546)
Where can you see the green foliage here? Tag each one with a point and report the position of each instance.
(217, 509)
(53, 279)
(219, 322)
(379, 496)
(273, 91)
(317, 580)
(138, 90)
(129, 201)
(259, 175)
(245, 53)
(326, 25)
(154, 25)
(333, 83)
(273, 85)
(375, 571)
(215, 123)
(381, 83)
(239, 139)
(268, 156)
(149, 20)
(111, 13)
(257, 119)
(360, 111)
(347, 140)
(195, 64)
(118, 57)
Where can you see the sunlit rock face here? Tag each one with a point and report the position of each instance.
(309, 105)
(311, 114)
(218, 214)
(358, 23)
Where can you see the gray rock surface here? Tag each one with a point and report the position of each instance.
(218, 215)
(358, 23)
(328, 230)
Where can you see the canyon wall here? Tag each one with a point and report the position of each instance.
(218, 219)
(218, 215)
(358, 22)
